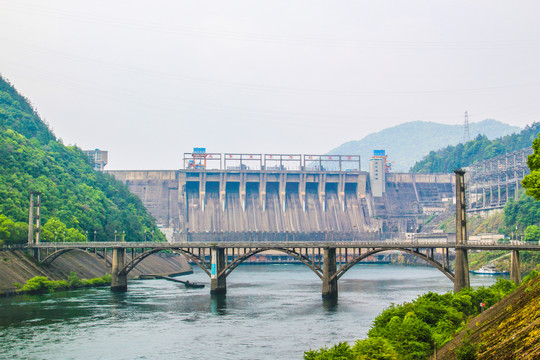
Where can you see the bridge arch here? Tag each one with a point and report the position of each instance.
(136, 260)
(449, 274)
(51, 257)
(304, 259)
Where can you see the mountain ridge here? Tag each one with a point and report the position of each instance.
(419, 138)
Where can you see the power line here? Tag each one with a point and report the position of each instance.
(259, 87)
(264, 38)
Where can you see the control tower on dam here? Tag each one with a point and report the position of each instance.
(278, 196)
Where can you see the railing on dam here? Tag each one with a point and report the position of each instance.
(270, 236)
(293, 162)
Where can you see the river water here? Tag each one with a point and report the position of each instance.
(269, 312)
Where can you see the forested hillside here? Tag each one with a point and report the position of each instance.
(455, 157)
(77, 202)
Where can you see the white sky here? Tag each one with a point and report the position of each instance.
(150, 80)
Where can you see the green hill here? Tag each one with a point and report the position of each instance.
(77, 202)
(482, 148)
(409, 142)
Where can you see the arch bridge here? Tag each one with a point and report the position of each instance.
(328, 260)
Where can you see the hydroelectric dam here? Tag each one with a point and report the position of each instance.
(240, 197)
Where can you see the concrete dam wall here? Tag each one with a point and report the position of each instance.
(288, 210)
(317, 204)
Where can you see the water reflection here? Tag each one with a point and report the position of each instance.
(218, 304)
(118, 298)
(330, 304)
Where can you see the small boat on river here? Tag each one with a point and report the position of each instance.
(193, 285)
(489, 270)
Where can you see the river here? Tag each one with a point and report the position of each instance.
(269, 312)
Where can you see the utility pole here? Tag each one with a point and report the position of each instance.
(466, 132)
(31, 220)
(34, 214)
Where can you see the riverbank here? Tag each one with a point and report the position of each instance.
(41, 285)
(16, 267)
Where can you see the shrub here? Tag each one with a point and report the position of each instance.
(531, 276)
(341, 351)
(376, 348)
(467, 351)
(73, 280)
(35, 285)
(40, 284)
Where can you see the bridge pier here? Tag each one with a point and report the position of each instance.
(461, 272)
(329, 285)
(118, 277)
(218, 281)
(515, 268)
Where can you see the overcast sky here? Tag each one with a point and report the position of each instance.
(150, 80)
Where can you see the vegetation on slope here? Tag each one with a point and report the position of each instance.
(410, 330)
(481, 148)
(77, 202)
(531, 182)
(508, 330)
(40, 284)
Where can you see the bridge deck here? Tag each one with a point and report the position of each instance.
(280, 245)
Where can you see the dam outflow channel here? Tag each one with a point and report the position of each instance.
(269, 312)
(274, 215)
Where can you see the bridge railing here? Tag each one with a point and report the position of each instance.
(14, 247)
(296, 244)
(168, 245)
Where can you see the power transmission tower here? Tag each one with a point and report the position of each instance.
(466, 132)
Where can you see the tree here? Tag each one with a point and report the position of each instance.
(12, 232)
(532, 233)
(531, 182)
(56, 230)
(376, 348)
(340, 351)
